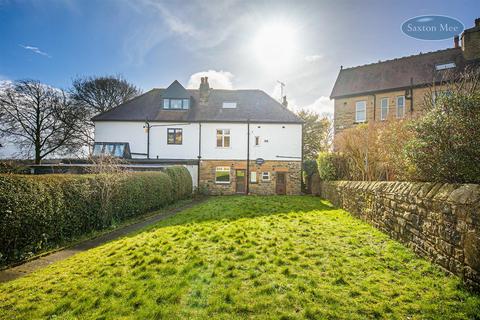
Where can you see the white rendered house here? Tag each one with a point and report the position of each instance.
(222, 136)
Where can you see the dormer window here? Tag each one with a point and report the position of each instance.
(176, 104)
(444, 66)
(229, 105)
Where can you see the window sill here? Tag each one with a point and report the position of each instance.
(359, 122)
(222, 183)
(223, 147)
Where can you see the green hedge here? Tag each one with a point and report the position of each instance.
(41, 212)
(182, 182)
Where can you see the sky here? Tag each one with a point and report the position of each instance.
(238, 44)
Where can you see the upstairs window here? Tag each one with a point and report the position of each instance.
(174, 136)
(384, 109)
(229, 105)
(400, 107)
(444, 66)
(257, 140)
(223, 138)
(176, 104)
(360, 111)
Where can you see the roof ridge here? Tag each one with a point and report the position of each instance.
(400, 58)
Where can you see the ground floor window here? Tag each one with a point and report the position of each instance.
(265, 176)
(222, 175)
(253, 177)
(114, 149)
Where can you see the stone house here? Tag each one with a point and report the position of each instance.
(396, 89)
(232, 141)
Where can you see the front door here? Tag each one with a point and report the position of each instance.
(281, 183)
(240, 180)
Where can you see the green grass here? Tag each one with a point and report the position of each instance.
(244, 257)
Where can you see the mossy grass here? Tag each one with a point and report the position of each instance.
(290, 257)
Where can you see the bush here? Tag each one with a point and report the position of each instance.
(40, 212)
(447, 143)
(376, 151)
(182, 182)
(332, 166)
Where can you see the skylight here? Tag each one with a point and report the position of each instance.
(444, 66)
(229, 105)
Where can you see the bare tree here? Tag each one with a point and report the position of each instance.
(38, 117)
(94, 95)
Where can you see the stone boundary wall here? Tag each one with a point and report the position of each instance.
(438, 221)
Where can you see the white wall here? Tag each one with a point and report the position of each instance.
(277, 141)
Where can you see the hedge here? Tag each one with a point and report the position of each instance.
(42, 212)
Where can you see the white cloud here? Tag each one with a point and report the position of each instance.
(216, 79)
(322, 106)
(313, 57)
(35, 50)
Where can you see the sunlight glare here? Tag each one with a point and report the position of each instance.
(274, 45)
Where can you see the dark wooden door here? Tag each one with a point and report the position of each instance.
(281, 183)
(240, 180)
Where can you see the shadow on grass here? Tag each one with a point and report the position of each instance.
(231, 208)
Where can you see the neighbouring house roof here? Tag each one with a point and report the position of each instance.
(396, 73)
(253, 105)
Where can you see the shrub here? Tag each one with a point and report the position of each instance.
(182, 181)
(376, 151)
(332, 166)
(40, 212)
(446, 147)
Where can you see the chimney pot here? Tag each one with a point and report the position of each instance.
(456, 41)
(284, 101)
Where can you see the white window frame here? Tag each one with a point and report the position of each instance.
(399, 116)
(223, 135)
(267, 178)
(253, 177)
(229, 105)
(357, 110)
(257, 141)
(222, 169)
(384, 116)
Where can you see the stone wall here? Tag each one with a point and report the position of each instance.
(291, 168)
(438, 221)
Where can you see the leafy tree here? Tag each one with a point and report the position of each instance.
(38, 118)
(316, 134)
(446, 147)
(94, 95)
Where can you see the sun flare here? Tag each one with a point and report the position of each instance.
(274, 45)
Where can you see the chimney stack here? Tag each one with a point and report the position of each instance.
(284, 101)
(471, 42)
(456, 42)
(204, 90)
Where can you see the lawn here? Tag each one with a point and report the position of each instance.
(288, 257)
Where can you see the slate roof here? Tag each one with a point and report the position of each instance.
(253, 105)
(395, 74)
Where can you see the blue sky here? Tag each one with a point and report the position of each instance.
(151, 43)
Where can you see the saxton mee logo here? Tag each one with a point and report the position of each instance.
(432, 27)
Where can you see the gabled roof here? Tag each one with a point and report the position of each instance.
(253, 105)
(176, 90)
(395, 74)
